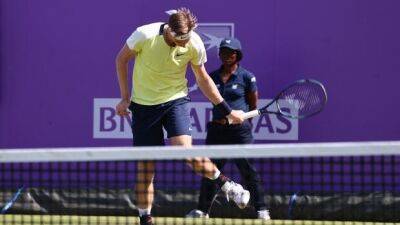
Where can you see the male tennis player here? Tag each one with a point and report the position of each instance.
(159, 99)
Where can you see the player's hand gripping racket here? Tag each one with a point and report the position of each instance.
(301, 99)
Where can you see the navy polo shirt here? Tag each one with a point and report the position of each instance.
(235, 89)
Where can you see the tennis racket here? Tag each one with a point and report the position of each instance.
(303, 98)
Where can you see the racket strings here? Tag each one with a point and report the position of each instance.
(302, 99)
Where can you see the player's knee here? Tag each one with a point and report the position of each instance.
(194, 161)
(182, 140)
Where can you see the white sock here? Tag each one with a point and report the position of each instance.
(143, 212)
(216, 174)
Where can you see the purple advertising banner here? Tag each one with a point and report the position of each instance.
(57, 58)
(58, 85)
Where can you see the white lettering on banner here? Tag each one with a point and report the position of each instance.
(108, 125)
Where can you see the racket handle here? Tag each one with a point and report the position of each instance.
(247, 115)
(251, 114)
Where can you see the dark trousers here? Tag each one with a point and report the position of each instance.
(232, 134)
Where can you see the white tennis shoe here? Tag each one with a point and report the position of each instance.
(195, 213)
(263, 214)
(236, 193)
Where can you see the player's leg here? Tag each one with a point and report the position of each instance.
(178, 126)
(209, 188)
(177, 123)
(147, 131)
(208, 191)
(206, 168)
(200, 165)
(145, 190)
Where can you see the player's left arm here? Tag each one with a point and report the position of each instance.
(203, 79)
(210, 90)
(206, 84)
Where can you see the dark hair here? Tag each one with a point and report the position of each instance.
(182, 19)
(239, 54)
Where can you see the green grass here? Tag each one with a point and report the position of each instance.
(116, 220)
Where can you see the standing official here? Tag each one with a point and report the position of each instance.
(238, 87)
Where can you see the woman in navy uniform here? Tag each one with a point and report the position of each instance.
(238, 87)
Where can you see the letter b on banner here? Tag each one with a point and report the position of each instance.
(106, 122)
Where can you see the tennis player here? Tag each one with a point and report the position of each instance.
(238, 87)
(159, 99)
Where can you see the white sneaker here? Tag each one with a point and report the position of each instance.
(236, 193)
(195, 213)
(263, 214)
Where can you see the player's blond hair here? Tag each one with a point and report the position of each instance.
(182, 19)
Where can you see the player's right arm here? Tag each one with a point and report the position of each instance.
(121, 63)
(130, 49)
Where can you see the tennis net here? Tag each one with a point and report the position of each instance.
(317, 183)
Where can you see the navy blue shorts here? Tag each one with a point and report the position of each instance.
(148, 121)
